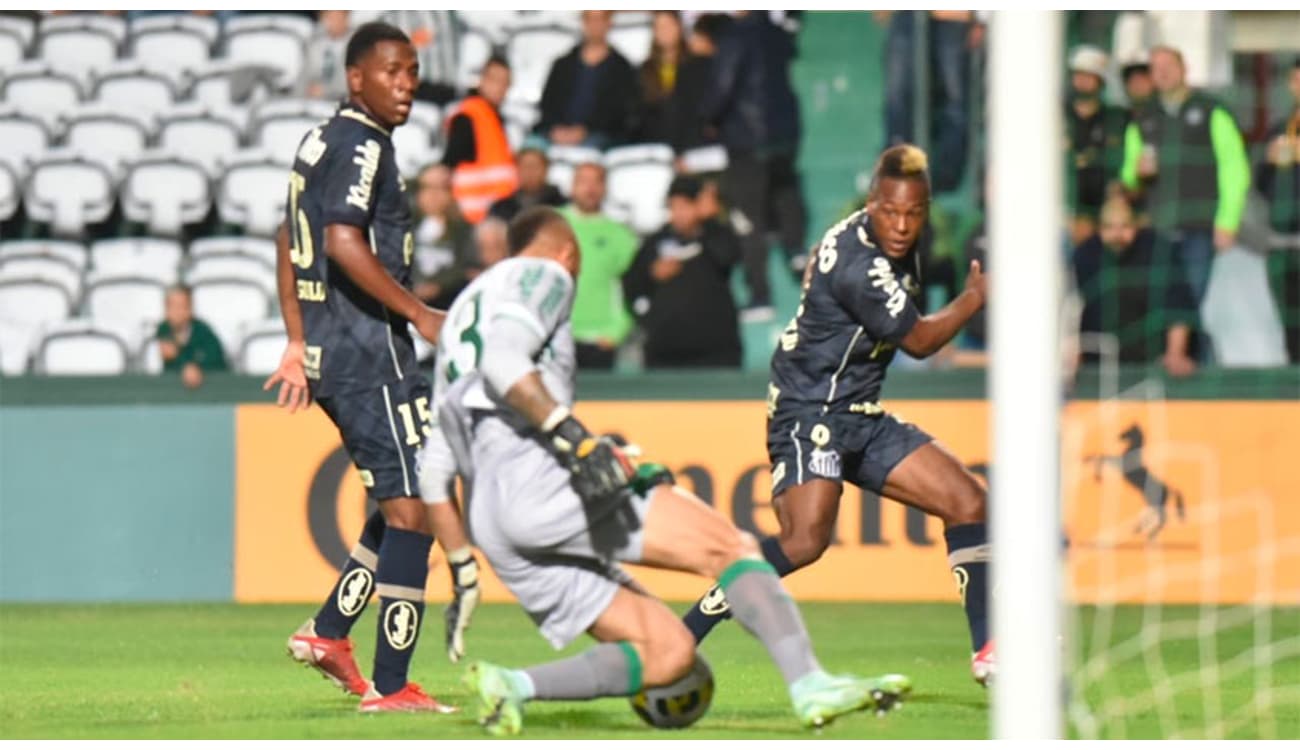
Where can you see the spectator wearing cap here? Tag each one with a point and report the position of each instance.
(600, 319)
(1138, 87)
(1096, 140)
(1278, 178)
(591, 97)
(477, 150)
(679, 287)
(533, 190)
(1185, 154)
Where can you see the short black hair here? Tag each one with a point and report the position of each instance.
(496, 59)
(711, 25)
(902, 162)
(685, 186)
(530, 222)
(367, 36)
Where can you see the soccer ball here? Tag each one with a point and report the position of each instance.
(680, 704)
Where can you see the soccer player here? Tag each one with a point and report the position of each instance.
(824, 423)
(344, 260)
(555, 509)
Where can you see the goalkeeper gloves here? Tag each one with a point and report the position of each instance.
(465, 596)
(599, 467)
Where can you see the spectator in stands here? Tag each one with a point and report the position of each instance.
(1186, 155)
(1096, 140)
(660, 75)
(1138, 87)
(600, 319)
(533, 190)
(444, 241)
(1278, 177)
(709, 202)
(1132, 289)
(490, 237)
(755, 109)
(325, 76)
(680, 287)
(694, 81)
(952, 34)
(591, 94)
(187, 345)
(477, 150)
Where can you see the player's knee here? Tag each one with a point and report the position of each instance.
(670, 655)
(967, 503)
(731, 545)
(806, 544)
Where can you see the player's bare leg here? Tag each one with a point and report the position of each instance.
(933, 480)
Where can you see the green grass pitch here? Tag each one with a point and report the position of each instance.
(220, 671)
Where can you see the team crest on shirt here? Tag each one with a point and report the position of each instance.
(824, 463)
(401, 623)
(354, 592)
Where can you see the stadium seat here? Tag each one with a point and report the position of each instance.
(705, 159)
(78, 347)
(44, 267)
(22, 139)
(80, 45)
(493, 25)
(15, 39)
(253, 247)
(531, 51)
(15, 348)
(37, 90)
(228, 87)
(203, 137)
(632, 39)
(67, 190)
(232, 266)
(73, 254)
(33, 303)
(148, 358)
(173, 44)
(165, 191)
(638, 178)
(274, 41)
(262, 347)
(253, 192)
(132, 87)
(229, 305)
(128, 306)
(427, 114)
(412, 146)
(475, 47)
(564, 160)
(10, 191)
(114, 136)
(282, 134)
(155, 258)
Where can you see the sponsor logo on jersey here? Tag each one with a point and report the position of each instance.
(825, 463)
(312, 149)
(882, 277)
(368, 159)
(401, 623)
(715, 602)
(311, 357)
(354, 592)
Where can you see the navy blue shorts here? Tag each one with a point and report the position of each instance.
(804, 444)
(383, 429)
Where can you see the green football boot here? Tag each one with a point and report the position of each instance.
(500, 701)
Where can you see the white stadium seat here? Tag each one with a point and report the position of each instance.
(638, 178)
(129, 307)
(232, 266)
(427, 114)
(44, 267)
(22, 139)
(313, 109)
(15, 348)
(215, 86)
(564, 162)
(71, 253)
(114, 137)
(33, 303)
(413, 148)
(262, 347)
(475, 47)
(531, 52)
(173, 44)
(273, 41)
(201, 136)
(253, 192)
(633, 40)
(282, 134)
(10, 191)
(81, 44)
(68, 190)
(78, 347)
(253, 247)
(495, 25)
(35, 89)
(230, 305)
(149, 357)
(157, 259)
(132, 87)
(15, 39)
(165, 192)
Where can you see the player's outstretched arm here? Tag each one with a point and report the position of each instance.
(932, 332)
(347, 246)
(294, 392)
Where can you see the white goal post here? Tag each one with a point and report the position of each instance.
(1025, 131)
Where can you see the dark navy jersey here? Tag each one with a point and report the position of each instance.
(344, 173)
(858, 305)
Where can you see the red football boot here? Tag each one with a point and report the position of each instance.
(410, 699)
(331, 657)
(984, 665)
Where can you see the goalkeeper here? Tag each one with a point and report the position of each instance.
(555, 509)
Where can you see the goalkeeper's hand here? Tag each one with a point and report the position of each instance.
(465, 596)
(598, 465)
